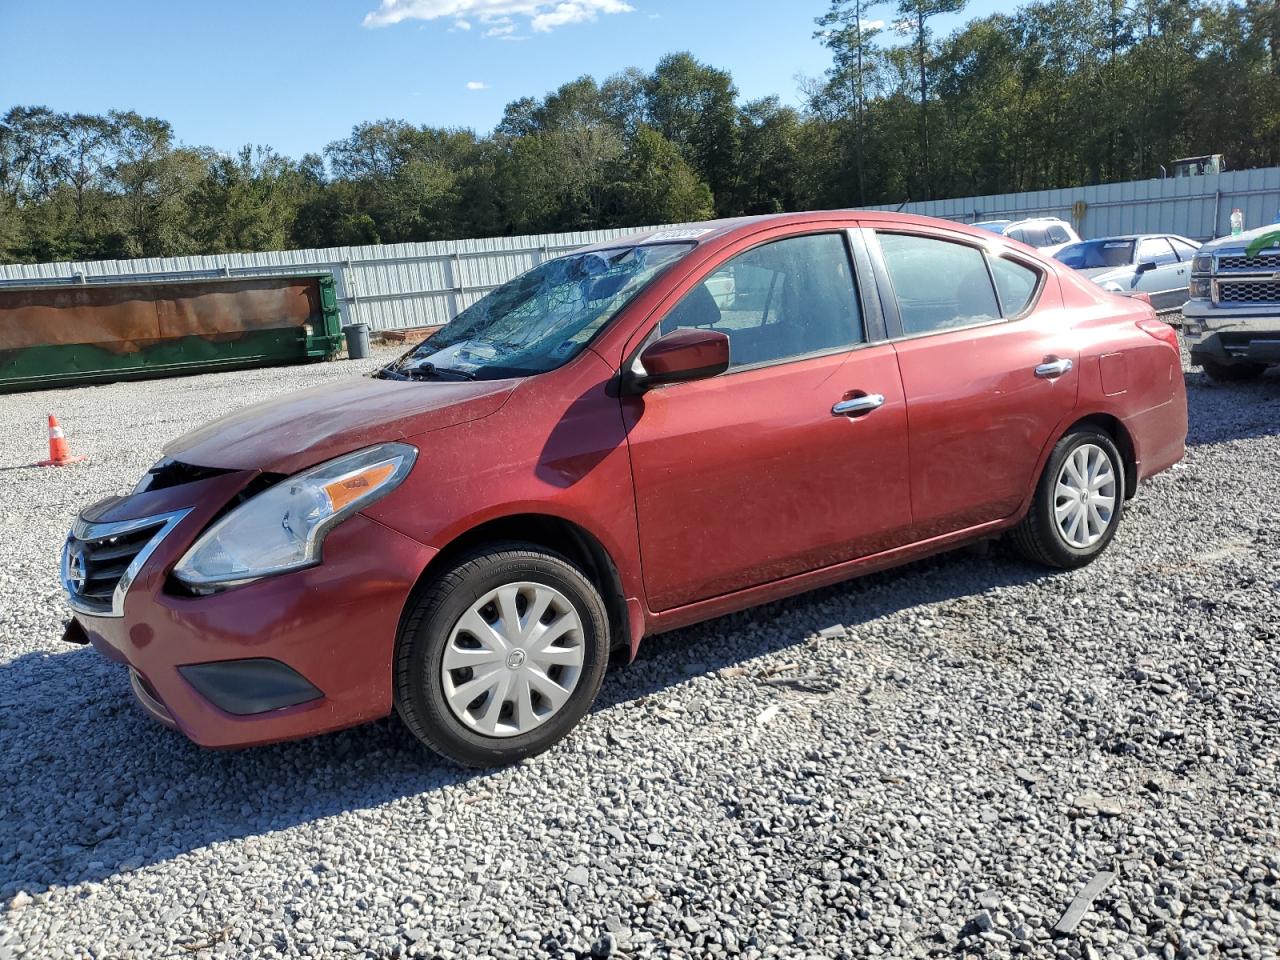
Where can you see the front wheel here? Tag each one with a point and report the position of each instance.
(501, 656)
(1077, 503)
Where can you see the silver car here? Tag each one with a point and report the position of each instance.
(1158, 265)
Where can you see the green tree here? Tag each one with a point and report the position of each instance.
(916, 15)
(850, 36)
(694, 106)
(657, 185)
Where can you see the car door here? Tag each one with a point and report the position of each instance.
(1186, 251)
(989, 370)
(793, 459)
(1166, 282)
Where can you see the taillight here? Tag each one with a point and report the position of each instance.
(1160, 330)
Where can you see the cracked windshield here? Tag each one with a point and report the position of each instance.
(539, 320)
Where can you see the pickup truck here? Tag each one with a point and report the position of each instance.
(1231, 320)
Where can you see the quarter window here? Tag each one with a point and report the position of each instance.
(1015, 283)
(778, 301)
(1058, 235)
(938, 284)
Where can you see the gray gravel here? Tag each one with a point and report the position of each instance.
(956, 757)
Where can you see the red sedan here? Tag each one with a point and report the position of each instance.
(622, 441)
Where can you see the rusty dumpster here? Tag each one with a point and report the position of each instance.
(57, 335)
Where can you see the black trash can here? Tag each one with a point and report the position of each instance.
(357, 340)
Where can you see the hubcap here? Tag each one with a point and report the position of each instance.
(1084, 501)
(513, 659)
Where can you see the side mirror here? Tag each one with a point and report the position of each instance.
(686, 354)
(1145, 266)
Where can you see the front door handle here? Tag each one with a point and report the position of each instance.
(1052, 369)
(858, 406)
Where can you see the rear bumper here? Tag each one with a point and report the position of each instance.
(286, 657)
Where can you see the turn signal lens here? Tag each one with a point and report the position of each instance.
(352, 487)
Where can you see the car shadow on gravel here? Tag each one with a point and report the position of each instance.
(94, 788)
(669, 659)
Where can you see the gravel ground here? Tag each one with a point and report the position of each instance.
(938, 760)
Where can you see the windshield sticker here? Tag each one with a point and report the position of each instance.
(667, 235)
(1116, 244)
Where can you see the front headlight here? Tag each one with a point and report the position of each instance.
(283, 527)
(1199, 289)
(1202, 263)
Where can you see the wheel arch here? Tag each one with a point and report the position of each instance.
(1114, 427)
(555, 533)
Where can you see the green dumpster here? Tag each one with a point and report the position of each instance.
(56, 335)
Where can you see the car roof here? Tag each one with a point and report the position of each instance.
(1140, 236)
(709, 230)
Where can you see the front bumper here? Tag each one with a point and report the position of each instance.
(281, 658)
(1231, 334)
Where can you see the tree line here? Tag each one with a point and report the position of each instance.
(1058, 93)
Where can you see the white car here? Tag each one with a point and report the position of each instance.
(1047, 234)
(1158, 265)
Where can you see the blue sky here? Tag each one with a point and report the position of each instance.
(296, 74)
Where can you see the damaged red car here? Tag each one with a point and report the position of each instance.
(624, 440)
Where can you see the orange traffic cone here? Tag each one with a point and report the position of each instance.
(59, 452)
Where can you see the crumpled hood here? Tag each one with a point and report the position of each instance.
(300, 429)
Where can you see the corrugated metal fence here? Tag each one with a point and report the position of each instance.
(416, 284)
(388, 286)
(1195, 207)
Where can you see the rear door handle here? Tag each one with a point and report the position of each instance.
(1052, 369)
(858, 406)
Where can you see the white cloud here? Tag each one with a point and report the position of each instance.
(477, 85)
(542, 15)
(872, 24)
(576, 11)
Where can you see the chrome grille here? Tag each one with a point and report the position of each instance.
(1249, 291)
(101, 560)
(1265, 262)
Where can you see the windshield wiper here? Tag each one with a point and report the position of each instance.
(426, 370)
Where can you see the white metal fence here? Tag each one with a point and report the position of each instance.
(416, 284)
(388, 286)
(1195, 207)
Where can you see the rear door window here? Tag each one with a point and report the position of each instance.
(938, 284)
(1156, 250)
(1184, 250)
(1036, 236)
(1058, 234)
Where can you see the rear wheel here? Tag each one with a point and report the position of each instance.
(501, 655)
(1077, 503)
(1232, 372)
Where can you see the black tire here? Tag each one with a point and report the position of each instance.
(1232, 372)
(418, 683)
(1037, 537)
